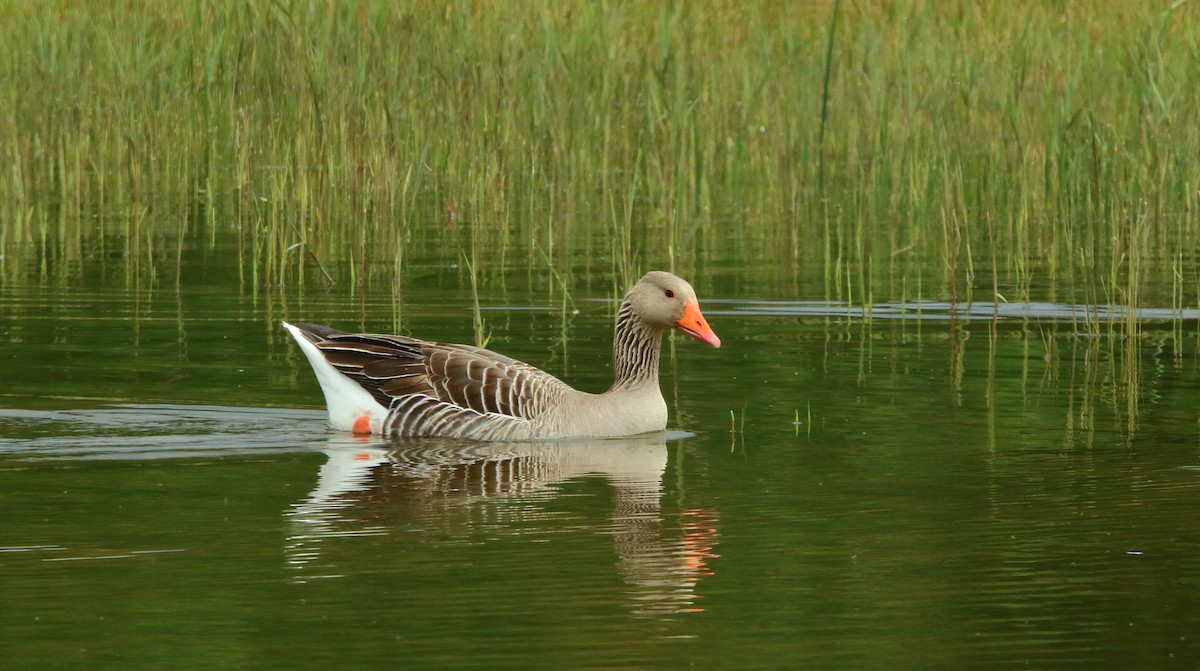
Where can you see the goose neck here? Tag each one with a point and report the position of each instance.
(636, 348)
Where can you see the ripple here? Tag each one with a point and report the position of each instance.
(945, 311)
(159, 431)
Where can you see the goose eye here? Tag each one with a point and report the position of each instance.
(670, 294)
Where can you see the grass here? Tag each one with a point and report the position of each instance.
(1041, 149)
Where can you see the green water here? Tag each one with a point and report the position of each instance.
(880, 468)
(899, 490)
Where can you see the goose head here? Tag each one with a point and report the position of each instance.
(663, 301)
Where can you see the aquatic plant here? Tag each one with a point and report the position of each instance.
(853, 149)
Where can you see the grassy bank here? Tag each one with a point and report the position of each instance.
(1037, 149)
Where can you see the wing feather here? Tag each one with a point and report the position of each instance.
(429, 386)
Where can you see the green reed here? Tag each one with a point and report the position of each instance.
(863, 147)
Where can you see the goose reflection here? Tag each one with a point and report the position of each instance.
(375, 488)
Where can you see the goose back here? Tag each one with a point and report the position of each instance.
(441, 389)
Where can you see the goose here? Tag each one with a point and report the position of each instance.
(401, 386)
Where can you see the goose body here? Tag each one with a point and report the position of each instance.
(397, 385)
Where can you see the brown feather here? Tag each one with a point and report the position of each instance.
(392, 368)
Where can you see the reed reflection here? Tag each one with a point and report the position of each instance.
(382, 487)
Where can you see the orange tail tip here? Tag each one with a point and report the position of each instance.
(362, 425)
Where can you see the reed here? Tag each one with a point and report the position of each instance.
(859, 147)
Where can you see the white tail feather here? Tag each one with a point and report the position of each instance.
(347, 401)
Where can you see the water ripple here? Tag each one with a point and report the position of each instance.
(946, 311)
(158, 431)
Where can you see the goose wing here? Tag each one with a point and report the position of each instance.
(394, 369)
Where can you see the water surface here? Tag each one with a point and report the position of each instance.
(915, 486)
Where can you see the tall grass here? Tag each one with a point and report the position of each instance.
(1045, 148)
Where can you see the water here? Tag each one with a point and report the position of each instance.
(919, 486)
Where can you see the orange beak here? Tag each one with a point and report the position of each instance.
(693, 324)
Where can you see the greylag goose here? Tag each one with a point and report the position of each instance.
(396, 385)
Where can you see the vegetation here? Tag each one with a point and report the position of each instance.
(866, 151)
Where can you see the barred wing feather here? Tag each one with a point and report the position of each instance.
(427, 385)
